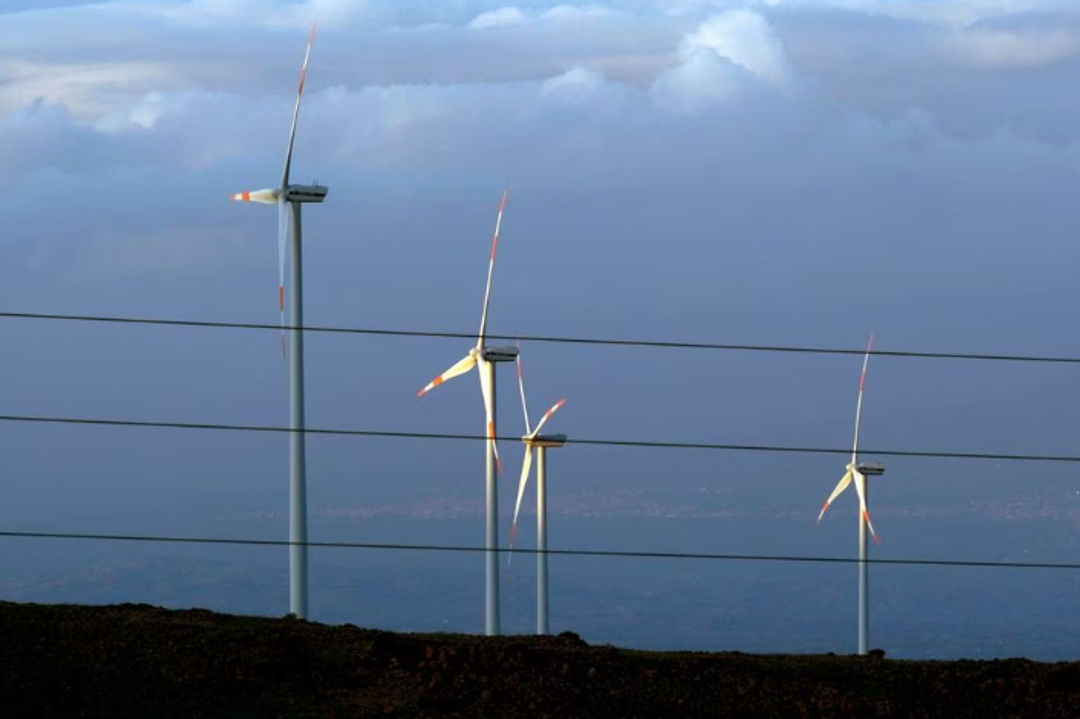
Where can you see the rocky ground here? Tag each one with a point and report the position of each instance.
(138, 660)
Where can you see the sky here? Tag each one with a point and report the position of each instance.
(776, 172)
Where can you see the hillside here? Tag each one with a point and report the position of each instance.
(138, 660)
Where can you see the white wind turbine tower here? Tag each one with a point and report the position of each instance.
(484, 359)
(540, 442)
(288, 198)
(857, 473)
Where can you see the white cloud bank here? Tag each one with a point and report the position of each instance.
(718, 57)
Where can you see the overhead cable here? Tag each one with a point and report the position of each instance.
(791, 449)
(791, 349)
(393, 546)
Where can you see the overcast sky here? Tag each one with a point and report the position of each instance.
(776, 172)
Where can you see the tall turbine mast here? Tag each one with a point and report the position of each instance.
(288, 198)
(856, 474)
(484, 359)
(541, 443)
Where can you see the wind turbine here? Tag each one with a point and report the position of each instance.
(541, 442)
(288, 198)
(484, 359)
(856, 473)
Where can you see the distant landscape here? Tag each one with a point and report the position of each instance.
(916, 612)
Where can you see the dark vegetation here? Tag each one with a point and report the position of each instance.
(138, 660)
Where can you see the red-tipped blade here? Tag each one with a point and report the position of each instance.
(491, 268)
(460, 367)
(296, 109)
(547, 415)
(265, 197)
(864, 510)
(486, 370)
(521, 391)
(858, 401)
(866, 361)
(870, 526)
(840, 487)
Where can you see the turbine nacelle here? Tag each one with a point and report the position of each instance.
(544, 440)
(305, 193)
(497, 354)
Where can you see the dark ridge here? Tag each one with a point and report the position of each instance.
(142, 661)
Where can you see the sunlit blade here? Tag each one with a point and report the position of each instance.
(840, 487)
(461, 367)
(266, 197)
(491, 267)
(547, 415)
(489, 412)
(521, 390)
(864, 512)
(858, 402)
(296, 108)
(526, 465)
(284, 227)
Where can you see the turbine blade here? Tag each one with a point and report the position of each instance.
(284, 228)
(840, 487)
(489, 412)
(526, 465)
(858, 402)
(521, 390)
(860, 489)
(296, 109)
(460, 367)
(265, 197)
(491, 267)
(547, 415)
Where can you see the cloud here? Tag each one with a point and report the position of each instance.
(503, 17)
(43, 137)
(746, 39)
(990, 48)
(215, 13)
(718, 58)
(514, 16)
(85, 90)
(171, 253)
(573, 85)
(565, 13)
(940, 13)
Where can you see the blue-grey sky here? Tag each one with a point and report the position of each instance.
(754, 172)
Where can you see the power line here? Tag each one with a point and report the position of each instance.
(790, 349)
(791, 449)
(392, 546)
